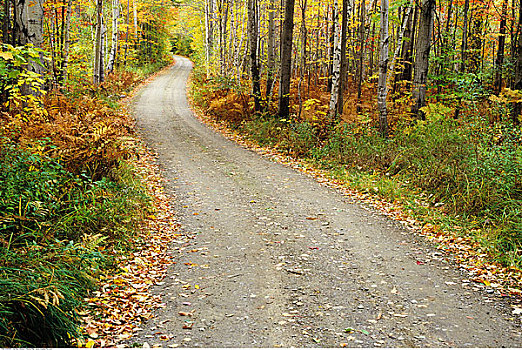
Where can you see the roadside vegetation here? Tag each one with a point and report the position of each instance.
(71, 203)
(463, 175)
(451, 159)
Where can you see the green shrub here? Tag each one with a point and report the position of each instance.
(55, 228)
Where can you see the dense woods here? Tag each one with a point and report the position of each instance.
(70, 203)
(418, 102)
(399, 98)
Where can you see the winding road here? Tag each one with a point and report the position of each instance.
(271, 258)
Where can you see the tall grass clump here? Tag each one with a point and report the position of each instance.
(56, 228)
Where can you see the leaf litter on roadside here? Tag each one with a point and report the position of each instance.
(124, 299)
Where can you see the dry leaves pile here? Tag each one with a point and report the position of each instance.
(124, 299)
(507, 281)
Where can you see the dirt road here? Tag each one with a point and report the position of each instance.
(272, 258)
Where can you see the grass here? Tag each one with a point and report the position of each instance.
(58, 233)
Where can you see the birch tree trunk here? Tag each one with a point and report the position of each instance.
(126, 35)
(383, 70)
(253, 34)
(114, 41)
(98, 57)
(67, 44)
(286, 59)
(422, 56)
(400, 39)
(28, 26)
(271, 51)
(344, 63)
(360, 54)
(209, 32)
(336, 64)
(302, 66)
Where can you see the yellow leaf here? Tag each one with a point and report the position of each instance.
(6, 55)
(196, 286)
(90, 344)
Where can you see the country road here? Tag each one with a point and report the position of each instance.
(271, 258)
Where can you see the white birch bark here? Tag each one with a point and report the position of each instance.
(400, 39)
(336, 69)
(114, 40)
(382, 91)
(98, 44)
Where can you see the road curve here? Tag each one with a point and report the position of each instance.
(272, 258)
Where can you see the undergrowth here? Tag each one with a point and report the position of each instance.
(461, 173)
(69, 204)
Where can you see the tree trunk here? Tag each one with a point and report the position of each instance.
(28, 29)
(422, 56)
(344, 63)
(332, 45)
(515, 114)
(209, 32)
(7, 21)
(98, 57)
(67, 43)
(286, 59)
(499, 62)
(360, 55)
(407, 48)
(302, 66)
(383, 69)
(126, 35)
(253, 33)
(464, 45)
(114, 41)
(400, 39)
(336, 63)
(271, 51)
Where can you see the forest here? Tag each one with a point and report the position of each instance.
(414, 102)
(71, 203)
(417, 102)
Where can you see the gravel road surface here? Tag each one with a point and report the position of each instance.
(271, 258)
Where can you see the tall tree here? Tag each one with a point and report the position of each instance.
(28, 26)
(422, 56)
(464, 45)
(98, 44)
(383, 69)
(286, 59)
(360, 53)
(253, 34)
(517, 108)
(271, 50)
(336, 64)
(344, 63)
(499, 62)
(114, 39)
(209, 32)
